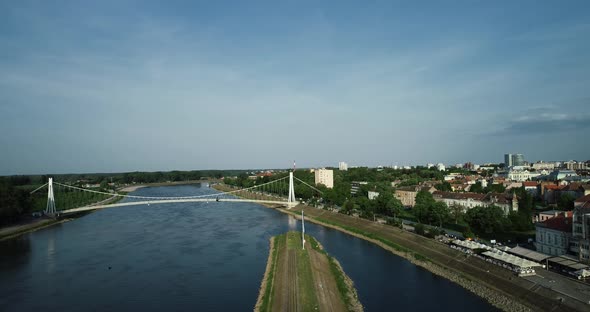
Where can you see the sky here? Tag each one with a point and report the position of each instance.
(112, 86)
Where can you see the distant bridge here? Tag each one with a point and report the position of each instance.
(265, 193)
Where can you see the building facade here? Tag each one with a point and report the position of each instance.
(521, 175)
(554, 234)
(342, 166)
(513, 160)
(580, 245)
(574, 165)
(544, 166)
(507, 202)
(325, 177)
(507, 160)
(407, 194)
(372, 195)
(518, 160)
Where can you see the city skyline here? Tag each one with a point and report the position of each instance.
(117, 87)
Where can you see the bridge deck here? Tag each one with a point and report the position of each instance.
(172, 201)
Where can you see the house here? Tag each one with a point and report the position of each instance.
(508, 202)
(575, 189)
(546, 215)
(355, 186)
(553, 235)
(407, 194)
(582, 202)
(550, 193)
(532, 187)
(513, 185)
(372, 195)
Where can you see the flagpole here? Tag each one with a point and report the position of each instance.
(302, 230)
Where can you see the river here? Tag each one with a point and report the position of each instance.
(194, 256)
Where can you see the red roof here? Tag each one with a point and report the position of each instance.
(563, 222)
(552, 187)
(529, 183)
(583, 199)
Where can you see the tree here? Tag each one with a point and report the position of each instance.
(348, 207)
(495, 188)
(14, 202)
(424, 202)
(456, 211)
(419, 228)
(439, 213)
(566, 201)
(477, 188)
(394, 207)
(487, 220)
(444, 187)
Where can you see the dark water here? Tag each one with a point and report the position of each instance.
(197, 256)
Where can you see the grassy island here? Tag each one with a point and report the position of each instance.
(309, 279)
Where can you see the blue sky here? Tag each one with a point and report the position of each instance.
(98, 86)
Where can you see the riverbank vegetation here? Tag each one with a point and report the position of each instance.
(485, 222)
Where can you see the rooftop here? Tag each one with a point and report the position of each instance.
(583, 199)
(562, 222)
(528, 254)
(451, 195)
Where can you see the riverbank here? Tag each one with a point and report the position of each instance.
(304, 279)
(37, 223)
(29, 226)
(496, 285)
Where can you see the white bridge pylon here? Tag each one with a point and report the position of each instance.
(291, 199)
(50, 209)
(266, 193)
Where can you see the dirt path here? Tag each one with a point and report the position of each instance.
(325, 285)
(280, 298)
(293, 290)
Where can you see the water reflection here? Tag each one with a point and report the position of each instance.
(50, 254)
(292, 223)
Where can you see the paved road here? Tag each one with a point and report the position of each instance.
(562, 285)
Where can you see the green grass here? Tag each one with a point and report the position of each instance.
(374, 236)
(309, 301)
(265, 305)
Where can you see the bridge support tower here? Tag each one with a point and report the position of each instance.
(50, 209)
(291, 201)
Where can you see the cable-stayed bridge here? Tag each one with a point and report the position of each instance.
(280, 191)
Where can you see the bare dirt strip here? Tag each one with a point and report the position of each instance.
(281, 283)
(325, 285)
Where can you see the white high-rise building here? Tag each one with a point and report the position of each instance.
(440, 167)
(325, 177)
(342, 166)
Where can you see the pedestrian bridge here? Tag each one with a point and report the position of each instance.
(275, 192)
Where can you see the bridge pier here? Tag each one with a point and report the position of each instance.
(291, 201)
(50, 209)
